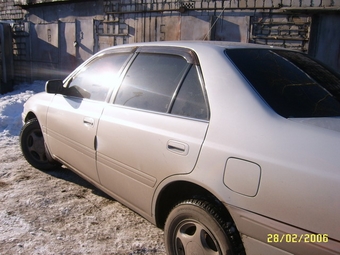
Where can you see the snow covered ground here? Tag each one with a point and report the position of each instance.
(57, 212)
(11, 106)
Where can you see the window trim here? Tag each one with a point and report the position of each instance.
(162, 113)
(205, 94)
(185, 53)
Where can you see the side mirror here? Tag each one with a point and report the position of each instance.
(54, 86)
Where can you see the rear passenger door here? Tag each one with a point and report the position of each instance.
(155, 126)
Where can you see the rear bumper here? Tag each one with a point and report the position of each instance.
(262, 235)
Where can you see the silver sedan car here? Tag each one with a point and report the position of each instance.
(230, 148)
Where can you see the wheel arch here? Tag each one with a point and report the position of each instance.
(29, 116)
(178, 191)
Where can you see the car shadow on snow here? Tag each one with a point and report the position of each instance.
(66, 174)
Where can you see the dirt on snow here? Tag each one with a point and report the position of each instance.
(57, 212)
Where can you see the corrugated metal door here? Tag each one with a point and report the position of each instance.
(58, 48)
(84, 39)
(230, 28)
(67, 47)
(193, 28)
(76, 40)
(44, 50)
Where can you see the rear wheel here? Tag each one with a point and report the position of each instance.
(197, 227)
(33, 146)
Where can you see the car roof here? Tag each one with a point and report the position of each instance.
(195, 45)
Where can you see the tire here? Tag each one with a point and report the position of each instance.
(197, 227)
(33, 146)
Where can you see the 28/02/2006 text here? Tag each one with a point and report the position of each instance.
(297, 238)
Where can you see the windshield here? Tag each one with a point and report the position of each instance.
(292, 83)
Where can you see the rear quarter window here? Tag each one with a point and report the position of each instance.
(190, 101)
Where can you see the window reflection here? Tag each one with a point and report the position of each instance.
(95, 80)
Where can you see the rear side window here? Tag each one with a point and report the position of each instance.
(293, 84)
(164, 83)
(151, 80)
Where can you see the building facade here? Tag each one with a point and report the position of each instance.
(50, 37)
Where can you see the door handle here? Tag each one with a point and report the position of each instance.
(178, 147)
(88, 121)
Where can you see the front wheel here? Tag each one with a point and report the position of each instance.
(197, 227)
(33, 146)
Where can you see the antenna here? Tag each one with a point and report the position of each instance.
(212, 26)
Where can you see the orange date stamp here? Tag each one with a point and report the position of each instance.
(297, 238)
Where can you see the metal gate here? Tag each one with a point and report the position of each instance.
(288, 31)
(6, 58)
(325, 39)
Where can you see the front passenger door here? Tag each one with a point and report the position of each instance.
(72, 118)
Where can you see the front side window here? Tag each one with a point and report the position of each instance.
(151, 81)
(293, 84)
(96, 78)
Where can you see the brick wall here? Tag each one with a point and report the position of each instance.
(156, 20)
(9, 11)
(138, 5)
(284, 23)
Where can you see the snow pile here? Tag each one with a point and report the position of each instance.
(11, 106)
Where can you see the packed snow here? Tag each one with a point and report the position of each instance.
(57, 212)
